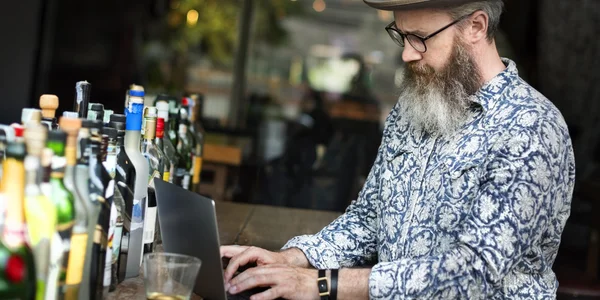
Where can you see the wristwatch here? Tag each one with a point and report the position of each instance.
(322, 284)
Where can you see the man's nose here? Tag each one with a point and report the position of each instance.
(410, 54)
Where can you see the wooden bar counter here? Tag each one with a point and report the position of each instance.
(263, 226)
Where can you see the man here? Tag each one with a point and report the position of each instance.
(470, 190)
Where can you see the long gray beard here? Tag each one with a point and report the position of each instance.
(438, 102)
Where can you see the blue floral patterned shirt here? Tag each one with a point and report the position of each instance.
(478, 215)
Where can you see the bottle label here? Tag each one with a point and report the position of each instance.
(116, 243)
(150, 225)
(137, 218)
(197, 169)
(56, 262)
(76, 258)
(112, 224)
(167, 176)
(110, 164)
(186, 182)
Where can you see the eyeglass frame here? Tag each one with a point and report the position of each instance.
(392, 26)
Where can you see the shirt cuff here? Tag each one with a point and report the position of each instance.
(317, 252)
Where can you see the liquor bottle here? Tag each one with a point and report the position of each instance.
(49, 104)
(63, 201)
(184, 148)
(162, 139)
(196, 130)
(69, 215)
(93, 184)
(40, 212)
(82, 98)
(131, 243)
(115, 219)
(102, 189)
(80, 235)
(155, 160)
(17, 276)
(158, 140)
(125, 180)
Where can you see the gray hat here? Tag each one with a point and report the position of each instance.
(413, 4)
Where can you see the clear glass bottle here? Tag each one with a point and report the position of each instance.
(132, 244)
(156, 161)
(162, 138)
(40, 212)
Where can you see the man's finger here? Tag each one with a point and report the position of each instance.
(247, 256)
(252, 278)
(232, 250)
(272, 293)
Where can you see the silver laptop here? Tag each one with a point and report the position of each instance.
(188, 225)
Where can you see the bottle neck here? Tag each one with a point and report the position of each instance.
(32, 168)
(13, 188)
(59, 162)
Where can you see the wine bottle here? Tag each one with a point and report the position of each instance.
(40, 212)
(80, 235)
(163, 141)
(117, 206)
(102, 187)
(17, 264)
(131, 243)
(184, 148)
(71, 214)
(63, 201)
(95, 191)
(196, 130)
(156, 163)
(124, 179)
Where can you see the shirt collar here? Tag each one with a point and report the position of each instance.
(493, 88)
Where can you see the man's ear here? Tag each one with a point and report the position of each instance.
(477, 27)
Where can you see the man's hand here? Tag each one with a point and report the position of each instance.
(285, 282)
(243, 255)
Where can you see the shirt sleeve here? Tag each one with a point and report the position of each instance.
(349, 240)
(526, 184)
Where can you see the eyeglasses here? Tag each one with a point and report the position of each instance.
(417, 42)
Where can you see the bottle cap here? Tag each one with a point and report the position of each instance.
(97, 107)
(48, 104)
(110, 131)
(118, 118)
(134, 116)
(19, 129)
(160, 128)
(163, 110)
(92, 124)
(70, 114)
(69, 125)
(150, 112)
(31, 115)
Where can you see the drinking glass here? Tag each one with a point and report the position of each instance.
(170, 276)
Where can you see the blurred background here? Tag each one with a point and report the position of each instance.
(296, 91)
